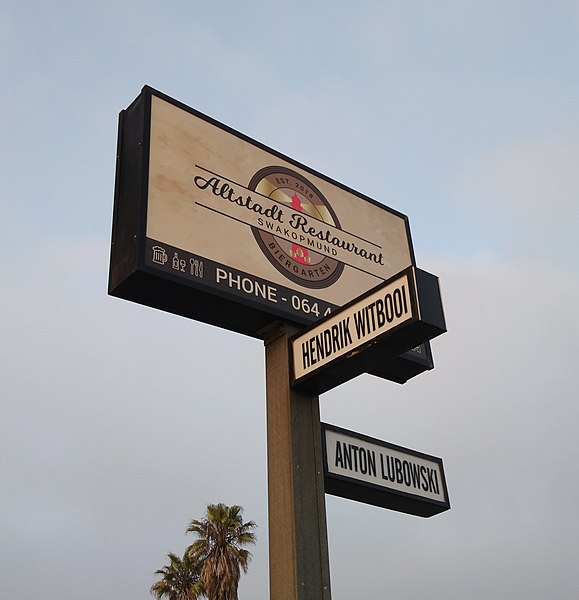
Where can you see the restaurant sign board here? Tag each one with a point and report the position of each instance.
(215, 226)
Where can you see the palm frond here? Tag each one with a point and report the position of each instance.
(219, 548)
(180, 579)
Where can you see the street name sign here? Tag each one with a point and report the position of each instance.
(394, 317)
(215, 226)
(374, 472)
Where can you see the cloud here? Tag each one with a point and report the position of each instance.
(500, 409)
(527, 190)
(119, 423)
(122, 422)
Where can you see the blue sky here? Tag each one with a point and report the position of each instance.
(462, 115)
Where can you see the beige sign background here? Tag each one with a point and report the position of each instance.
(199, 201)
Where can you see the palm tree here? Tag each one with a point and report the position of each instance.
(179, 579)
(219, 547)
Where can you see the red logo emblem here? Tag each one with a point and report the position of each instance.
(302, 259)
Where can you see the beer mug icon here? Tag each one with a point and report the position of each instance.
(159, 255)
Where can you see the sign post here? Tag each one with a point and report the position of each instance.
(214, 226)
(298, 541)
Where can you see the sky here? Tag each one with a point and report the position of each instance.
(120, 423)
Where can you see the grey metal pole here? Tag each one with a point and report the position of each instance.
(298, 541)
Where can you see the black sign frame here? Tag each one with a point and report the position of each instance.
(425, 322)
(368, 493)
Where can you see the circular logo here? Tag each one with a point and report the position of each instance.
(302, 259)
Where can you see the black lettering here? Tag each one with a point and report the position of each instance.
(339, 459)
(432, 481)
(336, 338)
(406, 472)
(360, 324)
(372, 462)
(203, 183)
(300, 222)
(399, 475)
(348, 457)
(355, 455)
(305, 356)
(320, 345)
(415, 472)
(313, 359)
(389, 308)
(398, 310)
(380, 316)
(390, 469)
(370, 308)
(382, 472)
(346, 331)
(423, 473)
(225, 191)
(327, 342)
(363, 461)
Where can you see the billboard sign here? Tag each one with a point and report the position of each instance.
(215, 226)
(394, 317)
(368, 470)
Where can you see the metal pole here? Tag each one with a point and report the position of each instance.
(298, 541)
